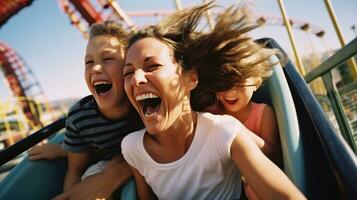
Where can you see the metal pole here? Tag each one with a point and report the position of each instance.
(20, 123)
(291, 37)
(209, 18)
(6, 122)
(351, 63)
(178, 4)
(337, 108)
(335, 22)
(121, 14)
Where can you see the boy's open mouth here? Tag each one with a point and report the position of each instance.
(149, 103)
(102, 87)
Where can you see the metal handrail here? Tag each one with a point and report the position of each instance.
(21, 146)
(324, 71)
(335, 60)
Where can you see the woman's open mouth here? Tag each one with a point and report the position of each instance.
(149, 103)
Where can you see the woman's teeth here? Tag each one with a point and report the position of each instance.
(149, 103)
(146, 96)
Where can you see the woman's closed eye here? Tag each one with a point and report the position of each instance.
(127, 72)
(152, 67)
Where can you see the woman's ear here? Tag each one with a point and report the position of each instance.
(191, 79)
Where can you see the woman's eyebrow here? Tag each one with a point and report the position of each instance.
(147, 59)
(151, 58)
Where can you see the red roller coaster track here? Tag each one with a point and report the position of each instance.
(10, 8)
(21, 82)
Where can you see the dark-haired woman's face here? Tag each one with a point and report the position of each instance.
(155, 84)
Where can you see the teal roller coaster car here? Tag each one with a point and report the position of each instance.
(316, 158)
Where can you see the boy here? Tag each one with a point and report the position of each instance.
(96, 124)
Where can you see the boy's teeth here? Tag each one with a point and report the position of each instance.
(146, 96)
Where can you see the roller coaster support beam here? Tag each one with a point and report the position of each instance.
(87, 11)
(178, 4)
(351, 62)
(299, 63)
(209, 17)
(120, 12)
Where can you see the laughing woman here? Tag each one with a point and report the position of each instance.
(183, 154)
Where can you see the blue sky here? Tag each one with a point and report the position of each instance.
(54, 49)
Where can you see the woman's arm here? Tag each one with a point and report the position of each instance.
(262, 175)
(77, 164)
(142, 188)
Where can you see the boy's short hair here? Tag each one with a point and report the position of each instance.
(110, 28)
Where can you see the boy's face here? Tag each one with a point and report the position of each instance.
(104, 72)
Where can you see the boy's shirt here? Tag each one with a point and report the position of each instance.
(87, 129)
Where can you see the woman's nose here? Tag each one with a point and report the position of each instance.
(138, 77)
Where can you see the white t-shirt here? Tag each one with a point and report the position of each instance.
(206, 171)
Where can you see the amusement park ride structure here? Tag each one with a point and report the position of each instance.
(22, 83)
